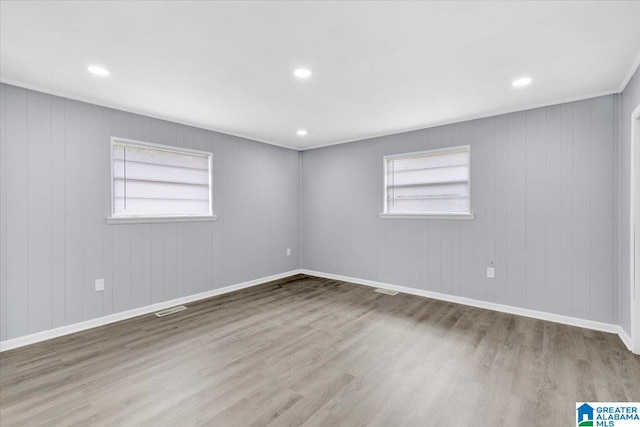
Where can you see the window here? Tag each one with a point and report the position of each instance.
(156, 183)
(431, 183)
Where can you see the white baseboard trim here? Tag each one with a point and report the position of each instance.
(626, 339)
(116, 317)
(557, 318)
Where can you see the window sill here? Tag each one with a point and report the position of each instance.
(426, 216)
(158, 219)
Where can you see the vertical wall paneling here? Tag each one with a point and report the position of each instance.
(545, 179)
(629, 101)
(601, 209)
(216, 239)
(501, 141)
(616, 207)
(465, 136)
(106, 232)
(261, 230)
(57, 220)
(92, 219)
(140, 247)
(17, 234)
(581, 294)
(73, 212)
(516, 209)
(56, 194)
(3, 214)
(542, 184)
(202, 231)
(121, 235)
(479, 158)
(450, 244)
(185, 244)
(158, 290)
(172, 288)
(566, 211)
(230, 205)
(431, 240)
(39, 210)
(535, 202)
(490, 176)
(553, 208)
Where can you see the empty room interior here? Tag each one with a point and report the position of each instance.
(319, 213)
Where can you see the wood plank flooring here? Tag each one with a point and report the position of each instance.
(317, 352)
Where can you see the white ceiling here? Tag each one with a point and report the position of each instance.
(378, 67)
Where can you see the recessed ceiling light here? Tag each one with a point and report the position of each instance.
(98, 71)
(301, 132)
(302, 73)
(521, 82)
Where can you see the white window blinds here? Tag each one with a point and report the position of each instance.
(430, 182)
(151, 180)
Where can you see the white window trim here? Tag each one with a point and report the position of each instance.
(158, 219)
(414, 215)
(139, 219)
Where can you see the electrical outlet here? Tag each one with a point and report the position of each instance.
(99, 285)
(288, 251)
(491, 272)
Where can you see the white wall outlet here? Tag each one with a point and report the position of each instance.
(99, 285)
(491, 272)
(288, 251)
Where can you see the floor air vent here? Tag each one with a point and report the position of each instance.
(386, 291)
(171, 310)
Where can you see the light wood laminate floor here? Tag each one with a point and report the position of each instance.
(316, 352)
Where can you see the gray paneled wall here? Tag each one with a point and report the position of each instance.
(543, 199)
(629, 101)
(55, 196)
(544, 190)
